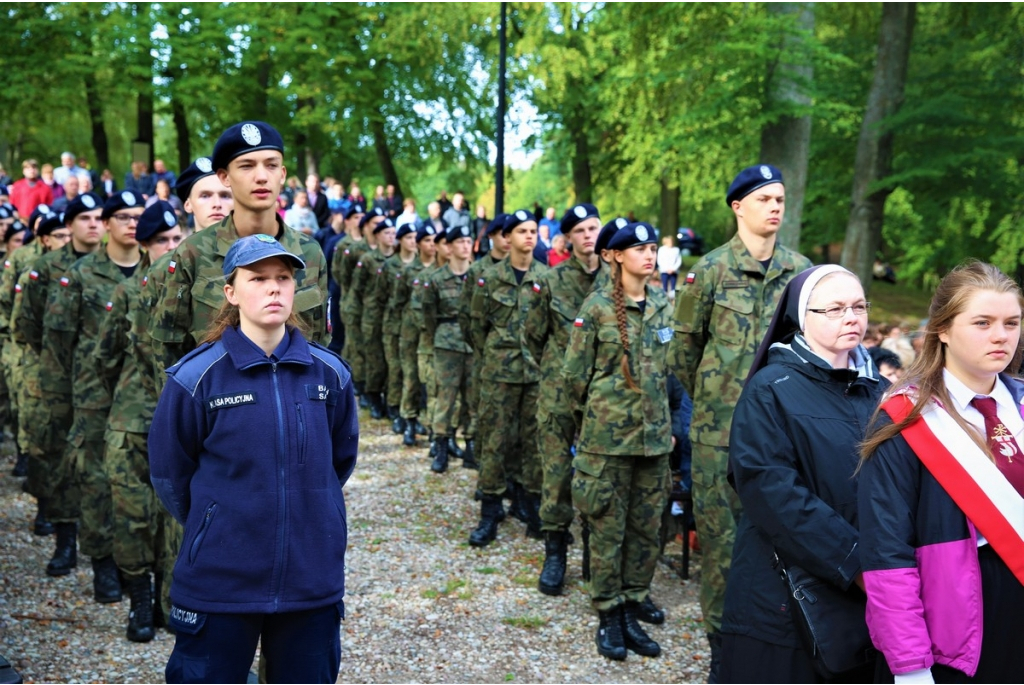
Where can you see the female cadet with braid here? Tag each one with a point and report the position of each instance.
(615, 378)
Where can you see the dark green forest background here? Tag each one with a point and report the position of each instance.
(899, 125)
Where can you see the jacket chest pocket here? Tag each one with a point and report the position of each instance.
(502, 307)
(609, 347)
(94, 311)
(207, 298)
(448, 300)
(732, 316)
(565, 311)
(308, 302)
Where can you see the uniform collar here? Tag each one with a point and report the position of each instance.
(962, 395)
(782, 259)
(244, 353)
(503, 270)
(227, 235)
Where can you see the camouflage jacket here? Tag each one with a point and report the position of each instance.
(14, 266)
(76, 309)
(472, 276)
(549, 322)
(441, 310)
(346, 257)
(497, 317)
(410, 321)
(132, 406)
(414, 312)
(152, 367)
(393, 286)
(369, 270)
(194, 288)
(613, 418)
(723, 308)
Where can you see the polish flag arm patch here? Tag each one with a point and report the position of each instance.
(65, 281)
(480, 282)
(536, 287)
(33, 275)
(110, 306)
(171, 267)
(578, 323)
(691, 277)
(17, 287)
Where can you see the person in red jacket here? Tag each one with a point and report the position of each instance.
(30, 192)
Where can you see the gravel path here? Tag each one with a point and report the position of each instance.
(422, 605)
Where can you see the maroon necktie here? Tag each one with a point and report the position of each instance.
(1007, 453)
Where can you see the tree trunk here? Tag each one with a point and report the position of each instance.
(181, 127)
(668, 217)
(786, 141)
(581, 179)
(145, 99)
(312, 161)
(387, 165)
(100, 146)
(874, 148)
(144, 112)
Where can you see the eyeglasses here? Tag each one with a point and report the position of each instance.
(60, 236)
(837, 312)
(125, 218)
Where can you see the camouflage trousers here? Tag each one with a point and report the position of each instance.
(716, 509)
(375, 363)
(44, 423)
(453, 371)
(353, 353)
(137, 514)
(622, 499)
(412, 386)
(20, 369)
(508, 447)
(426, 368)
(84, 453)
(8, 389)
(394, 360)
(172, 537)
(555, 433)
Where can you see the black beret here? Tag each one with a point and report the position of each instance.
(520, 216)
(5, 213)
(576, 214)
(354, 208)
(405, 229)
(426, 230)
(631, 235)
(86, 202)
(387, 223)
(126, 199)
(496, 223)
(201, 168)
(16, 228)
(240, 139)
(370, 215)
(4, 191)
(454, 233)
(38, 213)
(157, 218)
(750, 179)
(49, 223)
(607, 231)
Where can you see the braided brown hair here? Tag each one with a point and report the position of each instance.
(619, 299)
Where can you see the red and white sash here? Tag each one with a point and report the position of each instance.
(969, 477)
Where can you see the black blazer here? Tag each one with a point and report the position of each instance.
(321, 210)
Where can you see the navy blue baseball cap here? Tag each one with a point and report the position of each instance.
(607, 231)
(405, 228)
(254, 248)
(157, 218)
(126, 199)
(631, 235)
(86, 202)
(750, 179)
(520, 216)
(49, 223)
(387, 223)
(456, 232)
(576, 214)
(354, 208)
(426, 230)
(370, 215)
(200, 168)
(243, 138)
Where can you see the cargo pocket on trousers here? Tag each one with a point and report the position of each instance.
(591, 494)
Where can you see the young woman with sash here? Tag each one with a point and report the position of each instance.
(940, 500)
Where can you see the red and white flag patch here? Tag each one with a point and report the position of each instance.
(7, 264)
(690, 277)
(578, 323)
(110, 306)
(171, 267)
(65, 281)
(17, 287)
(480, 282)
(536, 287)
(145, 280)
(33, 275)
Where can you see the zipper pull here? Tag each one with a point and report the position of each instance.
(181, 290)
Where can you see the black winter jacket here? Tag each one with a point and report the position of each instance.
(793, 452)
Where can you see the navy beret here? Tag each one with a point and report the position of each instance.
(5, 213)
(607, 231)
(750, 179)
(631, 235)
(38, 213)
(496, 223)
(387, 223)
(157, 218)
(49, 223)
(370, 215)
(354, 208)
(442, 235)
(255, 248)
(576, 214)
(86, 202)
(520, 216)
(405, 228)
(200, 168)
(4, 190)
(243, 138)
(456, 232)
(16, 228)
(126, 199)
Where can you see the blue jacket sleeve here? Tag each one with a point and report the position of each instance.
(345, 434)
(175, 440)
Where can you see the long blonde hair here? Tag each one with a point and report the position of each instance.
(924, 377)
(229, 317)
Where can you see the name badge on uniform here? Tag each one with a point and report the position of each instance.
(664, 335)
(321, 393)
(235, 399)
(734, 284)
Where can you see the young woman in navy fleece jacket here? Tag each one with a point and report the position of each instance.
(253, 439)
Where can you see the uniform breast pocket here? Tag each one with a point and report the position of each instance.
(609, 346)
(207, 298)
(308, 303)
(94, 308)
(565, 311)
(732, 317)
(502, 307)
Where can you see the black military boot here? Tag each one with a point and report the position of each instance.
(552, 576)
(469, 458)
(433, 446)
(518, 505)
(364, 401)
(491, 510)
(440, 463)
(20, 469)
(159, 618)
(65, 554)
(421, 429)
(532, 504)
(409, 434)
(714, 672)
(41, 525)
(106, 585)
(397, 422)
(585, 535)
(454, 449)
(648, 612)
(636, 638)
(611, 642)
(140, 618)
(376, 408)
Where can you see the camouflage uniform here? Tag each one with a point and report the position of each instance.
(476, 270)
(410, 324)
(193, 290)
(346, 254)
(46, 413)
(369, 270)
(393, 289)
(723, 307)
(509, 375)
(452, 357)
(622, 472)
(75, 311)
(548, 324)
(425, 344)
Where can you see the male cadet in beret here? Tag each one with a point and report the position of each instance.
(203, 195)
(137, 515)
(75, 311)
(332, 244)
(364, 284)
(555, 302)
(346, 265)
(453, 360)
(723, 307)
(249, 159)
(409, 333)
(48, 413)
(425, 343)
(509, 378)
(393, 293)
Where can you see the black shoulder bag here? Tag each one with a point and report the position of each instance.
(830, 621)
